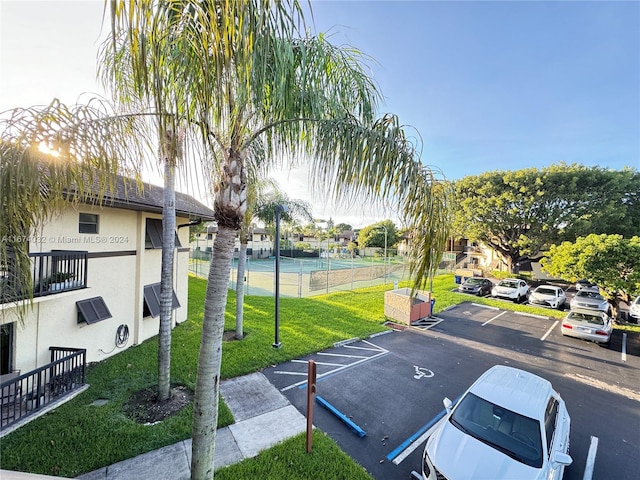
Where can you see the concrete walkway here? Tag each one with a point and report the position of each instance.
(256, 406)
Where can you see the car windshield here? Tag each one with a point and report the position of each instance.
(510, 284)
(586, 318)
(546, 291)
(508, 432)
(473, 281)
(589, 294)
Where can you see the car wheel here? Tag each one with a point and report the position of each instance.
(517, 299)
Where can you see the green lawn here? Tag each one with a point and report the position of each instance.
(79, 437)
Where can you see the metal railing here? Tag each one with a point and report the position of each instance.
(51, 272)
(24, 395)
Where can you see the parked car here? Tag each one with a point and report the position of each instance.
(591, 299)
(589, 325)
(634, 310)
(548, 296)
(476, 286)
(512, 288)
(509, 424)
(584, 283)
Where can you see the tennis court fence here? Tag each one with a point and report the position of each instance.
(304, 277)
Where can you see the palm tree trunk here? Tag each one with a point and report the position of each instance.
(166, 281)
(242, 261)
(205, 407)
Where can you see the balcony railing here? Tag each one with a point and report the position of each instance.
(51, 272)
(24, 395)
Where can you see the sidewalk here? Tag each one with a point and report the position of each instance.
(256, 406)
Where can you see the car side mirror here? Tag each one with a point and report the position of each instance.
(448, 404)
(560, 458)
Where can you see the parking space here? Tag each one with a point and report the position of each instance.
(392, 387)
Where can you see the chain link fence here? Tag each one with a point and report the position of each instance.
(304, 277)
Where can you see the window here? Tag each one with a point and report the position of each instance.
(92, 310)
(153, 234)
(88, 223)
(550, 421)
(152, 300)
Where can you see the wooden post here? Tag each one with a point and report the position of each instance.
(311, 391)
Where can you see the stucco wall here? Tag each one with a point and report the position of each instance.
(118, 271)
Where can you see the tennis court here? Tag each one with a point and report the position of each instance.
(302, 277)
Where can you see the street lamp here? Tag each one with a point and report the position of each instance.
(385, 253)
(279, 210)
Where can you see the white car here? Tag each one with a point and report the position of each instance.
(510, 424)
(634, 310)
(589, 325)
(548, 296)
(512, 288)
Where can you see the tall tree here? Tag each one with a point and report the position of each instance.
(256, 86)
(610, 261)
(255, 191)
(145, 83)
(520, 213)
(376, 234)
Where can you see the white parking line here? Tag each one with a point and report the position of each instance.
(534, 315)
(327, 364)
(339, 367)
(362, 348)
(340, 355)
(550, 330)
(591, 459)
(484, 306)
(492, 319)
(624, 347)
(415, 444)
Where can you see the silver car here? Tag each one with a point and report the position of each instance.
(589, 325)
(591, 299)
(634, 310)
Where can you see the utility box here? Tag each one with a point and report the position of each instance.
(402, 308)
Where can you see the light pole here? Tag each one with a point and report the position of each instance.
(385, 253)
(279, 209)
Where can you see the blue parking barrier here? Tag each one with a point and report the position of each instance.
(341, 416)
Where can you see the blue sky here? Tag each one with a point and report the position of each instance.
(486, 85)
(504, 85)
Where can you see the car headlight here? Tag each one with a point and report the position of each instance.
(426, 470)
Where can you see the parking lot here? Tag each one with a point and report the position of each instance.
(392, 386)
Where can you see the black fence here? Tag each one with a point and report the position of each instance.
(24, 395)
(51, 272)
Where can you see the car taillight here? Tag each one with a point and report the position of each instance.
(601, 332)
(566, 325)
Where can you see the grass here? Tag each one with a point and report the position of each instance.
(290, 461)
(78, 437)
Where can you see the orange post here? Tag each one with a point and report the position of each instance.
(311, 392)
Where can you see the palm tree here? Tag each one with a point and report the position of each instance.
(263, 195)
(257, 87)
(255, 190)
(145, 85)
(50, 157)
